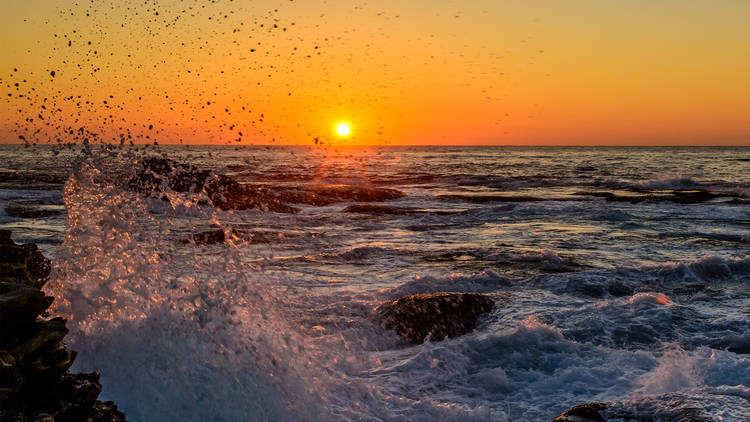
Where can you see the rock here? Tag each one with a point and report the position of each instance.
(320, 195)
(30, 208)
(107, 412)
(22, 263)
(587, 412)
(43, 337)
(20, 305)
(157, 174)
(692, 196)
(211, 237)
(35, 381)
(437, 315)
(375, 209)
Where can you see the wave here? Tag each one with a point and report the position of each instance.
(672, 278)
(186, 336)
(363, 252)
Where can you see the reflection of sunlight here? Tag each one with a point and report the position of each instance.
(347, 163)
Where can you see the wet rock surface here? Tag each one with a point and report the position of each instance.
(673, 407)
(35, 381)
(586, 412)
(433, 315)
(23, 264)
(216, 236)
(693, 196)
(29, 208)
(226, 193)
(158, 174)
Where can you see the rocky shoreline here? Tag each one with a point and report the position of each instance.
(35, 379)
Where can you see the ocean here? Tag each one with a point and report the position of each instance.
(618, 274)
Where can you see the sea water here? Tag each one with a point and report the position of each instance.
(623, 275)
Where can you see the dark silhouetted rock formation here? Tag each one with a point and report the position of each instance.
(158, 174)
(437, 315)
(35, 383)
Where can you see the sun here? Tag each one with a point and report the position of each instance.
(343, 129)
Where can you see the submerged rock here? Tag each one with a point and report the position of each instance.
(375, 209)
(320, 195)
(31, 208)
(678, 407)
(35, 381)
(215, 236)
(586, 412)
(433, 315)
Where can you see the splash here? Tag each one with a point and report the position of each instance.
(177, 333)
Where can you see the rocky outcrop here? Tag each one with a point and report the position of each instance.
(35, 381)
(22, 263)
(433, 315)
(157, 174)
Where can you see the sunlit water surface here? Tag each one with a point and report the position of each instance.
(604, 300)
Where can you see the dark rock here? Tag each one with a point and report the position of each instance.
(320, 195)
(482, 199)
(32, 209)
(158, 174)
(587, 412)
(20, 305)
(695, 196)
(437, 315)
(22, 263)
(211, 237)
(107, 412)
(35, 381)
(375, 209)
(43, 337)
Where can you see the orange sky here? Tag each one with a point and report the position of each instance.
(417, 72)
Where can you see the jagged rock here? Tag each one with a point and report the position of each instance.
(20, 305)
(35, 382)
(107, 412)
(44, 336)
(224, 192)
(22, 263)
(586, 412)
(437, 315)
(157, 174)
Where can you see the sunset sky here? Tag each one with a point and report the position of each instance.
(398, 72)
